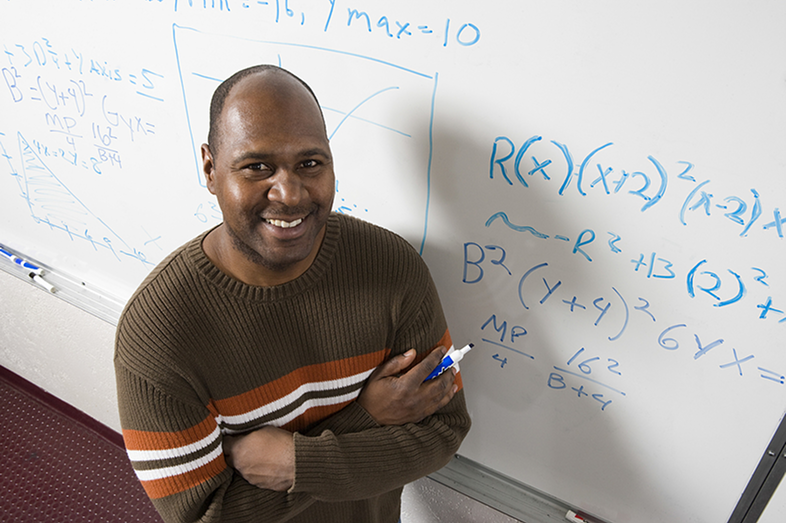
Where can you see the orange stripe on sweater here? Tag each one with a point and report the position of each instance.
(313, 415)
(446, 341)
(160, 488)
(277, 389)
(143, 440)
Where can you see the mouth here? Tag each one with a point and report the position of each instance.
(284, 224)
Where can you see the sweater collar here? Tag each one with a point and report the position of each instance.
(197, 258)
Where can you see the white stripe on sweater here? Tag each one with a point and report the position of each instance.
(155, 455)
(168, 472)
(294, 396)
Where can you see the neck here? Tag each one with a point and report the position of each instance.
(221, 250)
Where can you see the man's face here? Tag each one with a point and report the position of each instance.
(272, 174)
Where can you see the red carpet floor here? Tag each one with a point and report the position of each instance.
(59, 465)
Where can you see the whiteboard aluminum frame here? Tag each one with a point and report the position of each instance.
(67, 288)
(503, 493)
(764, 481)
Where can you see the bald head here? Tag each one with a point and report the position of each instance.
(266, 77)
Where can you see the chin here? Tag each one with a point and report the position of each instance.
(270, 259)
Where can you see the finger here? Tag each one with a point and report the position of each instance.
(420, 371)
(436, 393)
(443, 384)
(394, 365)
(444, 388)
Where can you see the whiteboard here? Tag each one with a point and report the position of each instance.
(597, 186)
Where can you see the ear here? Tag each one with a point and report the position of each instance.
(208, 168)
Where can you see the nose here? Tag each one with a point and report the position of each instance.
(287, 188)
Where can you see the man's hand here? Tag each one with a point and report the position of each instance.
(393, 399)
(265, 458)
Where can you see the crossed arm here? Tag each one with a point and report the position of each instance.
(266, 457)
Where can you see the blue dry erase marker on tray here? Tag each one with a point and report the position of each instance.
(449, 360)
(19, 261)
(35, 271)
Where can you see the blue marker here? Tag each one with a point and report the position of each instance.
(35, 273)
(19, 261)
(450, 359)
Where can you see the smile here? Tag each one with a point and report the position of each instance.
(283, 224)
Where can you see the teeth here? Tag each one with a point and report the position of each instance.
(283, 224)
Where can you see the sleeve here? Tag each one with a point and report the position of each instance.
(349, 456)
(175, 447)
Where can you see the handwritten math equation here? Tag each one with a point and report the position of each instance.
(64, 89)
(590, 375)
(332, 16)
(522, 165)
(52, 204)
(708, 281)
(77, 104)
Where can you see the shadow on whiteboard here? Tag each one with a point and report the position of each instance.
(558, 380)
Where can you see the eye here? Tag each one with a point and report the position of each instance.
(258, 169)
(311, 166)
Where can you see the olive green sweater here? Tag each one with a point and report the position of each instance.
(200, 355)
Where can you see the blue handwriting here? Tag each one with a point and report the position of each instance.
(443, 32)
(584, 371)
(668, 340)
(525, 165)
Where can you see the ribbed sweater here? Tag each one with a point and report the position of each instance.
(200, 355)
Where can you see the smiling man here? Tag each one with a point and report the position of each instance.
(273, 179)
(272, 369)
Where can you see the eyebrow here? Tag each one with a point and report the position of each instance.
(316, 151)
(252, 155)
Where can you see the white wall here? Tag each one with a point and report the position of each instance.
(68, 353)
(60, 348)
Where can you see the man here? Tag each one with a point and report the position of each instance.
(264, 369)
